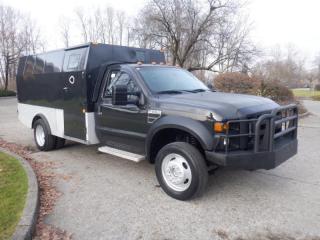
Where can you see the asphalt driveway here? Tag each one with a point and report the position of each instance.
(106, 197)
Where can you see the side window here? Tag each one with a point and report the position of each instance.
(122, 78)
(110, 77)
(39, 66)
(21, 66)
(53, 61)
(74, 60)
(28, 70)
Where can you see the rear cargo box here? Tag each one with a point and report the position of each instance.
(70, 79)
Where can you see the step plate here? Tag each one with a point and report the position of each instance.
(123, 154)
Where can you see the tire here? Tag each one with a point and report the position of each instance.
(180, 158)
(59, 143)
(44, 140)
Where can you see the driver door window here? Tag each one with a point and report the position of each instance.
(122, 78)
(110, 78)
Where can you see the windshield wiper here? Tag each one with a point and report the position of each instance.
(170, 92)
(196, 90)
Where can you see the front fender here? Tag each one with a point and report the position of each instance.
(193, 127)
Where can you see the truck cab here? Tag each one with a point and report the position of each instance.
(164, 115)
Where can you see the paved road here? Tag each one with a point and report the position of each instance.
(111, 198)
(313, 106)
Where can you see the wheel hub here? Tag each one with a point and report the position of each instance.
(40, 136)
(176, 172)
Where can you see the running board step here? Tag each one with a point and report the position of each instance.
(123, 154)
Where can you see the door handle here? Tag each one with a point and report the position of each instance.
(65, 88)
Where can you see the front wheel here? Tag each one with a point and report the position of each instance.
(181, 170)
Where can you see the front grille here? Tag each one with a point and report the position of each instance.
(259, 132)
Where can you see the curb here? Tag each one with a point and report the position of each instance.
(27, 223)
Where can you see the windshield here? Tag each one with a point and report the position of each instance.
(170, 80)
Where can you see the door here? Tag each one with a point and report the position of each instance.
(74, 93)
(122, 127)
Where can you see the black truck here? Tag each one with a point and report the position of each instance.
(135, 106)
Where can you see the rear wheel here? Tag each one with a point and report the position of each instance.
(44, 140)
(181, 170)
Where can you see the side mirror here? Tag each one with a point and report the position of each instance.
(120, 95)
(142, 100)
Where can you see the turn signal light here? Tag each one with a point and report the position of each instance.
(220, 127)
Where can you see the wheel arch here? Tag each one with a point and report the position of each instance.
(189, 126)
(41, 116)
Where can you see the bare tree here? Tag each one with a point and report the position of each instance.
(197, 35)
(18, 35)
(83, 23)
(64, 24)
(110, 24)
(100, 26)
(9, 41)
(233, 50)
(316, 62)
(32, 39)
(285, 65)
(121, 19)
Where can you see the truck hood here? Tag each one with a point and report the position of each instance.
(223, 106)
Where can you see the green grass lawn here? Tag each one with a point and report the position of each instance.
(13, 191)
(305, 92)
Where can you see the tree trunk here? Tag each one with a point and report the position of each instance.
(6, 80)
(6, 77)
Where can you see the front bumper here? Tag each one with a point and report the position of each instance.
(274, 138)
(255, 160)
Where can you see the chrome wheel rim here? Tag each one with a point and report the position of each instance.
(40, 136)
(176, 172)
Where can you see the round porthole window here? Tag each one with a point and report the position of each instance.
(72, 79)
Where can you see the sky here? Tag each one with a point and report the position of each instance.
(283, 22)
(275, 22)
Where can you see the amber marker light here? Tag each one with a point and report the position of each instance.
(220, 127)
